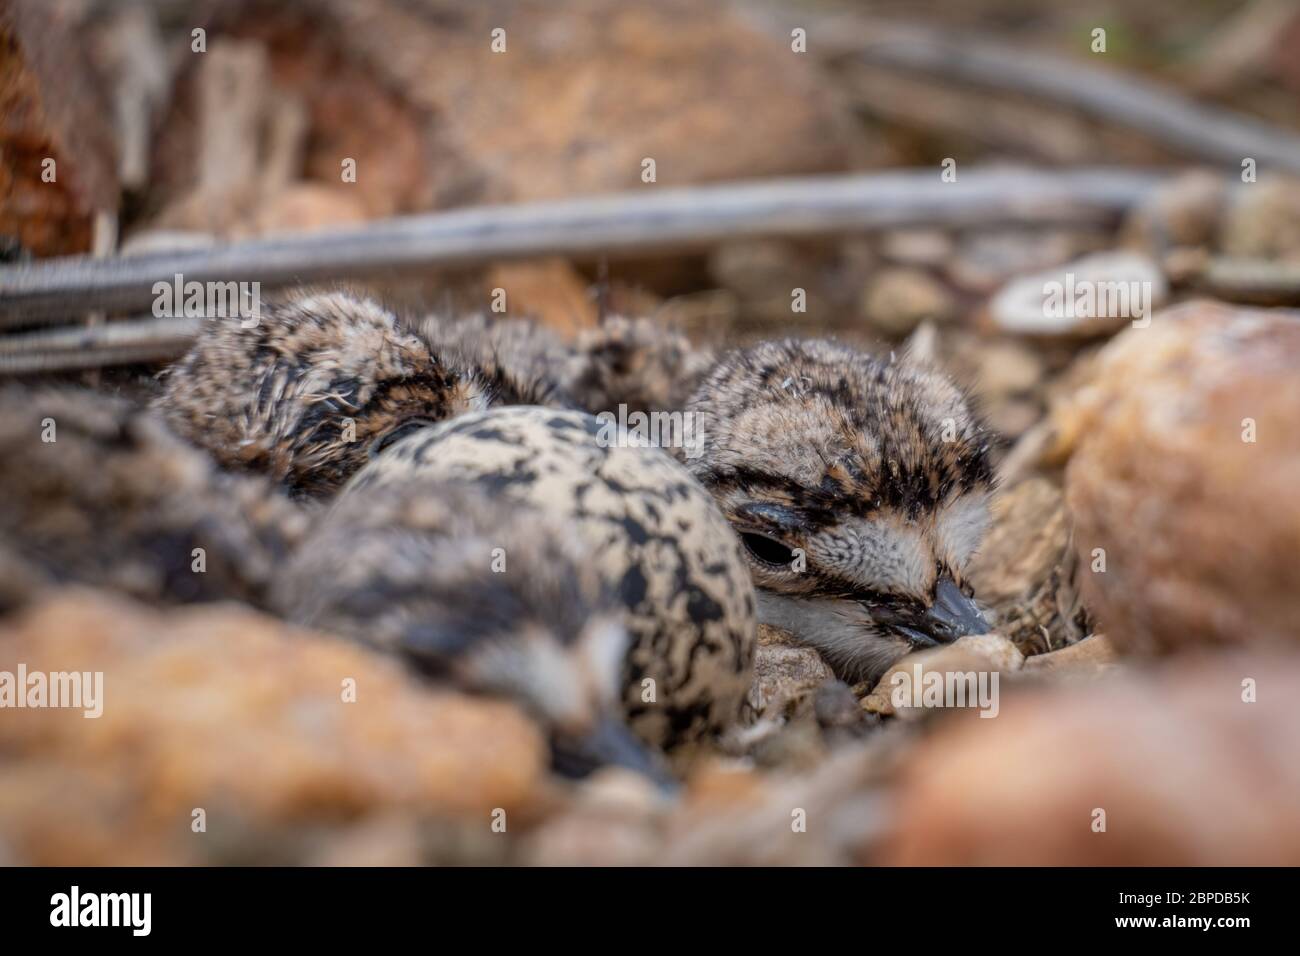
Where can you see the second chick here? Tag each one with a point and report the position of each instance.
(493, 598)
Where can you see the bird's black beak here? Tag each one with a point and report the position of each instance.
(611, 743)
(952, 615)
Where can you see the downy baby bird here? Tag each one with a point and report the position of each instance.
(658, 540)
(859, 488)
(654, 538)
(640, 363)
(490, 597)
(306, 390)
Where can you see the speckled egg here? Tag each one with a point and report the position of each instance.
(656, 536)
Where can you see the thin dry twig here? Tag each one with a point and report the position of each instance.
(1207, 132)
(113, 343)
(665, 220)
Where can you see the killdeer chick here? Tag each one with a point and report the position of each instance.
(859, 488)
(522, 362)
(491, 597)
(640, 363)
(97, 491)
(307, 390)
(319, 382)
(655, 539)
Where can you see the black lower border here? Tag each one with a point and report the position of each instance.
(328, 907)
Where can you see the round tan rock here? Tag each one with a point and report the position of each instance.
(1185, 481)
(1186, 771)
(897, 300)
(233, 713)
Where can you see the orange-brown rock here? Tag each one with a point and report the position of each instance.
(307, 207)
(1185, 770)
(548, 290)
(223, 710)
(581, 95)
(1183, 486)
(434, 116)
(51, 113)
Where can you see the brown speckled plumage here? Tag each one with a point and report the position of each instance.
(119, 502)
(524, 363)
(496, 598)
(322, 380)
(656, 539)
(307, 393)
(640, 363)
(859, 486)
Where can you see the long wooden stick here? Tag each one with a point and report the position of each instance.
(1207, 132)
(95, 346)
(130, 341)
(657, 219)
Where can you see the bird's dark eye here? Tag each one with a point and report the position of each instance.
(407, 427)
(767, 550)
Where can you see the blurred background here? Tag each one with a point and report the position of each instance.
(1143, 564)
